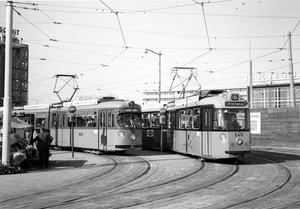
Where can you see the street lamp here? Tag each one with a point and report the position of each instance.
(159, 83)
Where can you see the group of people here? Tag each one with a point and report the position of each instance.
(41, 140)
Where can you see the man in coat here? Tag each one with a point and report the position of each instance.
(43, 141)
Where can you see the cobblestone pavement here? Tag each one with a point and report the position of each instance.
(41, 188)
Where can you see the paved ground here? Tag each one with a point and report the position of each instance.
(67, 170)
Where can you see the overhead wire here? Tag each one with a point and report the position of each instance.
(125, 44)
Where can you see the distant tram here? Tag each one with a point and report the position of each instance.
(211, 125)
(104, 125)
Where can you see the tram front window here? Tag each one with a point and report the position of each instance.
(129, 120)
(232, 119)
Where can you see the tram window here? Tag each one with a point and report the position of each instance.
(110, 119)
(40, 122)
(181, 119)
(102, 119)
(60, 120)
(169, 123)
(137, 120)
(65, 121)
(54, 120)
(80, 120)
(91, 121)
(196, 119)
(145, 120)
(154, 120)
(188, 119)
(207, 119)
(218, 123)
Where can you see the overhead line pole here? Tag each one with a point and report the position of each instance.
(159, 68)
(292, 90)
(7, 103)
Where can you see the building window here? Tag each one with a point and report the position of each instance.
(24, 86)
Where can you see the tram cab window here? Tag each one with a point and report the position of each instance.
(236, 119)
(129, 120)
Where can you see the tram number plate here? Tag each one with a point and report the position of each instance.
(238, 134)
(150, 133)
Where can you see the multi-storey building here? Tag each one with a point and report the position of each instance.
(19, 71)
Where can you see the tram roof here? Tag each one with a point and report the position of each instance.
(80, 105)
(221, 100)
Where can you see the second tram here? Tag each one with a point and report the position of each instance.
(212, 125)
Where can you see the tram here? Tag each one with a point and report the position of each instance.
(211, 125)
(106, 125)
(151, 134)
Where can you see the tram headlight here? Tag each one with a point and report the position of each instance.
(133, 137)
(239, 141)
(121, 134)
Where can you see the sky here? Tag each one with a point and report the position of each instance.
(102, 44)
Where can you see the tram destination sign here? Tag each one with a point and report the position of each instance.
(235, 104)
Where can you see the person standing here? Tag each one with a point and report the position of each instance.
(43, 141)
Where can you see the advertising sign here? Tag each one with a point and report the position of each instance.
(255, 123)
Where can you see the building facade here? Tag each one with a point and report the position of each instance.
(274, 95)
(20, 54)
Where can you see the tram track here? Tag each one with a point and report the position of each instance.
(264, 193)
(88, 187)
(259, 181)
(287, 196)
(162, 191)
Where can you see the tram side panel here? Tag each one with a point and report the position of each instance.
(180, 141)
(193, 143)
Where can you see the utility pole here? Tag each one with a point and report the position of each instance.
(159, 72)
(251, 84)
(7, 103)
(292, 90)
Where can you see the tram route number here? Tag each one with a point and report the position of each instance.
(238, 134)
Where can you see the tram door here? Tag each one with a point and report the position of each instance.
(57, 129)
(102, 132)
(207, 127)
(170, 129)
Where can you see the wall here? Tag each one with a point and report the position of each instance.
(280, 127)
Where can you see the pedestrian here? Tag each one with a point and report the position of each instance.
(43, 141)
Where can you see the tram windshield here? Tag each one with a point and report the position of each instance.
(232, 119)
(130, 120)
